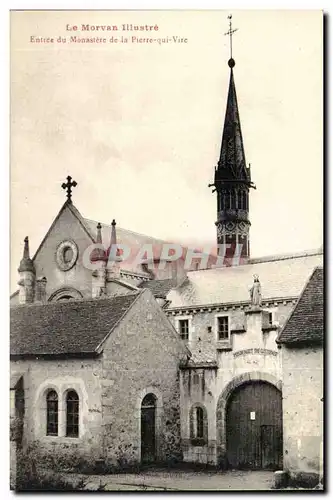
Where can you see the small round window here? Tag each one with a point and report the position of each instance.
(66, 255)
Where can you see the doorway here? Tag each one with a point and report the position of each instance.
(148, 429)
(254, 427)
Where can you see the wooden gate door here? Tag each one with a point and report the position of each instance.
(254, 427)
(148, 419)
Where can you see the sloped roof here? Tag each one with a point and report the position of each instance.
(69, 205)
(159, 288)
(279, 279)
(134, 241)
(202, 354)
(66, 328)
(124, 236)
(15, 377)
(306, 322)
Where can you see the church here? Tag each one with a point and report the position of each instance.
(120, 362)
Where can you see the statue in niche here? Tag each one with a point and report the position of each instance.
(255, 292)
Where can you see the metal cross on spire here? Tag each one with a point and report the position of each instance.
(68, 186)
(230, 32)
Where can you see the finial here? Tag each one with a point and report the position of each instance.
(113, 241)
(26, 263)
(26, 248)
(230, 32)
(68, 186)
(99, 233)
(98, 254)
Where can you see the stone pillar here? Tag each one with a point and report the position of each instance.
(27, 274)
(113, 265)
(41, 290)
(98, 288)
(254, 336)
(98, 256)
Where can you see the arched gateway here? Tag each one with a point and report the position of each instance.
(249, 422)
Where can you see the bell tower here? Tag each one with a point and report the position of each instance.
(232, 179)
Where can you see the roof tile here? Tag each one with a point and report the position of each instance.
(306, 322)
(65, 328)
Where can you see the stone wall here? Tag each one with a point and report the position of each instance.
(141, 357)
(250, 354)
(303, 393)
(67, 227)
(61, 375)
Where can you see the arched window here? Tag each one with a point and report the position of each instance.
(52, 413)
(244, 200)
(240, 200)
(148, 428)
(232, 199)
(227, 200)
(72, 414)
(219, 201)
(200, 423)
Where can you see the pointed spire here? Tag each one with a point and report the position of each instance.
(113, 233)
(99, 233)
(113, 243)
(26, 263)
(98, 254)
(232, 163)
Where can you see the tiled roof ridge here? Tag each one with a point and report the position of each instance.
(128, 230)
(138, 291)
(295, 255)
(268, 258)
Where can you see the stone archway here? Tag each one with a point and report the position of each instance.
(65, 293)
(256, 376)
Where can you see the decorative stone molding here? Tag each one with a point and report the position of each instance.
(136, 276)
(65, 292)
(255, 350)
(232, 306)
(61, 261)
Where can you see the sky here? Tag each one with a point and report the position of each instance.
(139, 125)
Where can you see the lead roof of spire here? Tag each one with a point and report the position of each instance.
(113, 242)
(26, 263)
(232, 163)
(232, 155)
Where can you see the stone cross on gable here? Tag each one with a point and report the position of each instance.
(68, 186)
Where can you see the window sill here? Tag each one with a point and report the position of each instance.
(269, 328)
(240, 329)
(198, 442)
(223, 345)
(60, 439)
